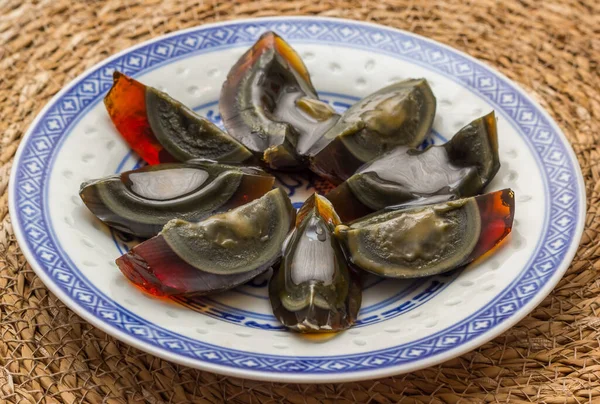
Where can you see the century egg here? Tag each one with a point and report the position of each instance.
(142, 201)
(161, 130)
(314, 289)
(399, 114)
(461, 167)
(213, 221)
(269, 104)
(430, 239)
(215, 254)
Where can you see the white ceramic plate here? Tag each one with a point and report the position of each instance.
(404, 325)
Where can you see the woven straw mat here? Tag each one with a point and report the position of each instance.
(552, 48)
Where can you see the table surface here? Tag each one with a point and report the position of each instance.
(552, 48)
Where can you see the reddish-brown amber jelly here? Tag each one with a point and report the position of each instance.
(154, 267)
(322, 185)
(145, 266)
(335, 162)
(250, 188)
(267, 41)
(347, 206)
(497, 211)
(126, 105)
(325, 211)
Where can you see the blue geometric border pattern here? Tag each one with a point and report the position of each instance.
(33, 167)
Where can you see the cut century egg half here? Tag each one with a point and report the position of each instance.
(400, 114)
(162, 130)
(269, 104)
(142, 201)
(215, 254)
(314, 289)
(461, 167)
(431, 239)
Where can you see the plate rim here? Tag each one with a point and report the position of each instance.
(285, 376)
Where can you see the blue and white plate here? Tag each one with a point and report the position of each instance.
(403, 325)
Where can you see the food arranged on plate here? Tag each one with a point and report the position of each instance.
(162, 130)
(461, 167)
(213, 221)
(315, 288)
(430, 239)
(269, 104)
(215, 254)
(400, 114)
(142, 201)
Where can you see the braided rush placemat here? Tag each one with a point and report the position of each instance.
(552, 48)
